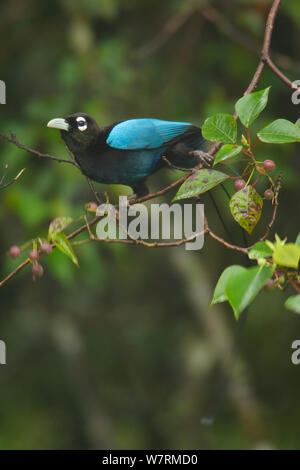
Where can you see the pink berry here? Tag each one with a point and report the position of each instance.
(268, 194)
(269, 165)
(46, 248)
(34, 255)
(239, 184)
(37, 270)
(14, 251)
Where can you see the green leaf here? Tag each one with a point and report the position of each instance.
(220, 128)
(246, 207)
(293, 303)
(65, 246)
(287, 255)
(280, 131)
(200, 182)
(250, 106)
(243, 287)
(219, 293)
(227, 151)
(297, 123)
(58, 225)
(297, 242)
(260, 250)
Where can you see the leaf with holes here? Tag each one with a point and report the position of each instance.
(220, 128)
(58, 225)
(200, 182)
(246, 208)
(250, 106)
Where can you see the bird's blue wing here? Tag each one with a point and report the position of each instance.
(144, 133)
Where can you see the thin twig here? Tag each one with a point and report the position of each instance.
(174, 167)
(96, 194)
(273, 218)
(4, 175)
(15, 271)
(13, 140)
(12, 181)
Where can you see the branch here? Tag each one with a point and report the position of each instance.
(95, 193)
(10, 182)
(240, 37)
(13, 140)
(15, 271)
(265, 53)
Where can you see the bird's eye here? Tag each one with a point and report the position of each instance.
(81, 124)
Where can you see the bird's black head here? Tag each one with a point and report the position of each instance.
(79, 130)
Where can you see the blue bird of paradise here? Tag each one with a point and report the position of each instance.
(128, 152)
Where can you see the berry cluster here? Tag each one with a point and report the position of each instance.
(267, 165)
(34, 255)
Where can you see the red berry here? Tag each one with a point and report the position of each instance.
(14, 251)
(269, 165)
(34, 255)
(46, 248)
(268, 194)
(239, 184)
(37, 270)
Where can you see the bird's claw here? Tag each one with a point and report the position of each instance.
(203, 157)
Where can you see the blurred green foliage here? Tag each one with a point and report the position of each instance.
(116, 354)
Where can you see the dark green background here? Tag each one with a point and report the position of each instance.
(125, 351)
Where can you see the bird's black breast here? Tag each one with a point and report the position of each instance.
(109, 165)
(105, 164)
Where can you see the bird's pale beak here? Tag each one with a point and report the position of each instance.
(59, 123)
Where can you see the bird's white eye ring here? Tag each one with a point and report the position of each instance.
(81, 124)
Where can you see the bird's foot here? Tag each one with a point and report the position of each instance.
(203, 157)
